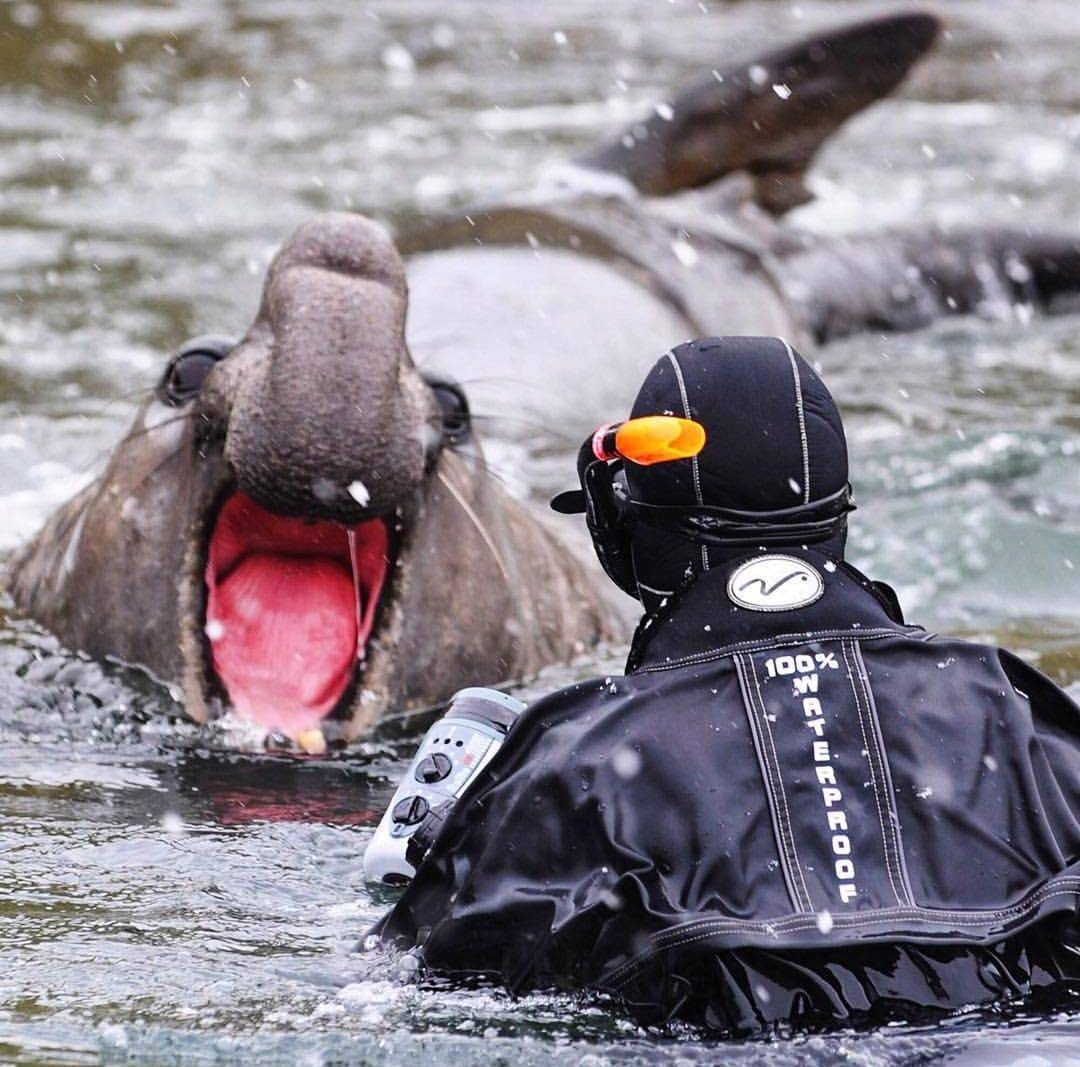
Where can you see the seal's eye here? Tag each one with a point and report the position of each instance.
(454, 405)
(187, 370)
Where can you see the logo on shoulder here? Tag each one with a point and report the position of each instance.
(775, 583)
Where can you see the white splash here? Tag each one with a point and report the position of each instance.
(172, 824)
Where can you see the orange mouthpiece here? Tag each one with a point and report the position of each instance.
(648, 440)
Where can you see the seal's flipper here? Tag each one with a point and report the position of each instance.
(902, 280)
(771, 115)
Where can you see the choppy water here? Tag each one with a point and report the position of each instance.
(163, 902)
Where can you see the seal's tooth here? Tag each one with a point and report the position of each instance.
(312, 741)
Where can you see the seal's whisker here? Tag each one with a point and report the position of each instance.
(132, 436)
(157, 467)
(135, 434)
(68, 524)
(532, 424)
(487, 379)
(136, 395)
(478, 524)
(481, 461)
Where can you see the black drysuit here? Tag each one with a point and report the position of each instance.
(813, 815)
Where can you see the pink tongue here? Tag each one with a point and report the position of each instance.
(284, 637)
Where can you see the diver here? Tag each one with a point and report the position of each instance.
(794, 807)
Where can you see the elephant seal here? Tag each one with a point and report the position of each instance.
(686, 209)
(295, 525)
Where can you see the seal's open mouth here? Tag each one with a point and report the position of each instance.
(290, 605)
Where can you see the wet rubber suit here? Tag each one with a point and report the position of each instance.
(794, 807)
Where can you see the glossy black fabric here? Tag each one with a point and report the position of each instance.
(774, 434)
(665, 836)
(774, 440)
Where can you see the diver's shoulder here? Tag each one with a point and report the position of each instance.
(591, 693)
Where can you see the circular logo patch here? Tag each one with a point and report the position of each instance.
(775, 583)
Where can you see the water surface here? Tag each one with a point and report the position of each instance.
(165, 901)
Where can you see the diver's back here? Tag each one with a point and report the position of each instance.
(817, 814)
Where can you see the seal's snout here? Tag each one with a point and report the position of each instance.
(330, 419)
(328, 430)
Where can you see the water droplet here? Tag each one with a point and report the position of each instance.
(626, 762)
(685, 252)
(359, 492)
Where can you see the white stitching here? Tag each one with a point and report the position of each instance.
(975, 917)
(783, 794)
(787, 862)
(808, 905)
(694, 465)
(801, 414)
(883, 760)
(1061, 887)
(759, 644)
(1069, 883)
(766, 772)
(900, 898)
(686, 410)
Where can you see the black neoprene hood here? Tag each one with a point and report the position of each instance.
(775, 449)
(774, 435)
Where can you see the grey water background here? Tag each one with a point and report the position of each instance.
(164, 901)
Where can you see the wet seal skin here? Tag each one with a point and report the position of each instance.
(299, 526)
(215, 548)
